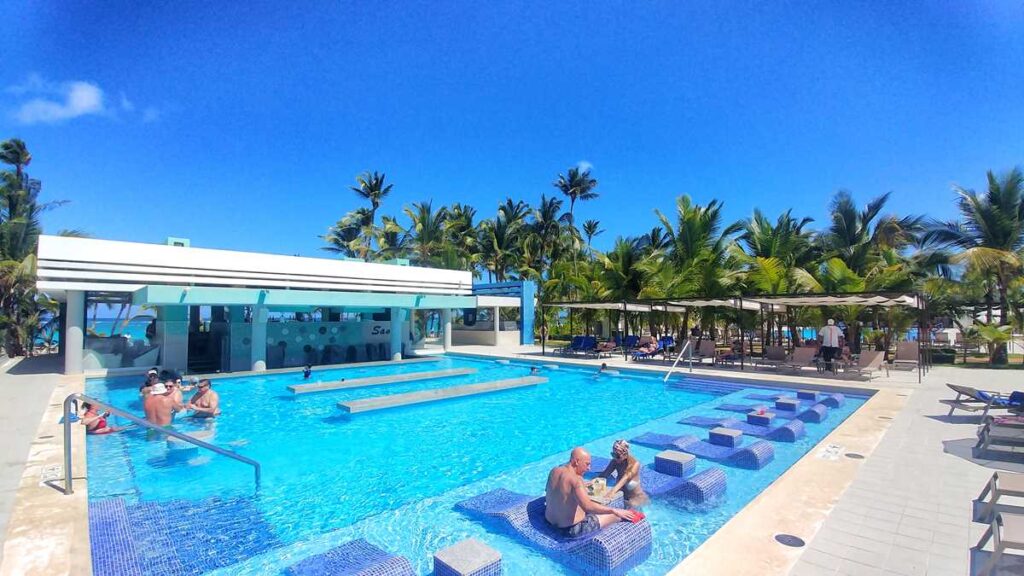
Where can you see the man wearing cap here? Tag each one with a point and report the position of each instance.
(627, 474)
(152, 377)
(831, 338)
(568, 508)
(159, 405)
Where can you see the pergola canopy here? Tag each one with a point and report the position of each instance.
(754, 303)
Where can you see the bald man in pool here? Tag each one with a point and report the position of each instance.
(569, 508)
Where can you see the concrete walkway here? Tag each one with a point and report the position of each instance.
(25, 389)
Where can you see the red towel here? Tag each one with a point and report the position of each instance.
(637, 516)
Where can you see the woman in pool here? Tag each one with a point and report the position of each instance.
(627, 475)
(94, 422)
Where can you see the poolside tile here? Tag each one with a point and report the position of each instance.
(821, 559)
(875, 559)
(849, 568)
(905, 561)
(912, 543)
(915, 532)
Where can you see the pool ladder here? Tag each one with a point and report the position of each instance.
(73, 399)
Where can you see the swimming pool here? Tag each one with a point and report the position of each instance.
(391, 477)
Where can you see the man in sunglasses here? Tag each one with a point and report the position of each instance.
(205, 403)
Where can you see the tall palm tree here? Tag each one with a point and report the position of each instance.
(462, 234)
(854, 235)
(15, 153)
(622, 275)
(371, 186)
(348, 236)
(591, 229)
(576, 185)
(426, 231)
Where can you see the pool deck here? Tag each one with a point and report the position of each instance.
(904, 509)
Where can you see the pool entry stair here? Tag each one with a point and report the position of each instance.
(426, 396)
(379, 380)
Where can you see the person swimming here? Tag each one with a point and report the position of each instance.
(534, 369)
(307, 372)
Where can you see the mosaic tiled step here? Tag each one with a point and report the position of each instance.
(704, 386)
(425, 396)
(178, 538)
(353, 558)
(379, 380)
(806, 397)
(815, 414)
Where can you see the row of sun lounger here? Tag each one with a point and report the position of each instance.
(1005, 523)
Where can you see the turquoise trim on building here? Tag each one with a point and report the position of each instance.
(156, 295)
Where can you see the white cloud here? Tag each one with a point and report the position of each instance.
(53, 102)
(75, 99)
(584, 166)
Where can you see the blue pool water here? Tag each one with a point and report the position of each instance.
(391, 477)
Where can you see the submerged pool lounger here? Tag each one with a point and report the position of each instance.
(790, 431)
(753, 456)
(815, 414)
(378, 380)
(611, 551)
(806, 397)
(356, 557)
(701, 487)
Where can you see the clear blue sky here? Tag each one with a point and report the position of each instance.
(242, 126)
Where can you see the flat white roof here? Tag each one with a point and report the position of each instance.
(113, 266)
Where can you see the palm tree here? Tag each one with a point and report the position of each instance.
(591, 228)
(576, 185)
(371, 187)
(622, 276)
(990, 234)
(15, 153)
(349, 236)
(463, 235)
(854, 235)
(426, 231)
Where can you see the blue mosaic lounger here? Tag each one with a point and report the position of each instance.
(752, 457)
(355, 558)
(704, 486)
(611, 551)
(789, 431)
(815, 414)
(831, 400)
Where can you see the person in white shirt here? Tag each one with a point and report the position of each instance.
(831, 338)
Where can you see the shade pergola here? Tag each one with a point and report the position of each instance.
(777, 302)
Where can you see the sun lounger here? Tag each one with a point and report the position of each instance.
(773, 356)
(1007, 532)
(357, 557)
(787, 431)
(991, 433)
(754, 456)
(699, 488)
(802, 357)
(647, 350)
(705, 350)
(612, 550)
(907, 355)
(1001, 484)
(869, 362)
(574, 345)
(974, 400)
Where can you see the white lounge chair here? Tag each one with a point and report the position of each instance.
(907, 355)
(1001, 484)
(869, 362)
(801, 358)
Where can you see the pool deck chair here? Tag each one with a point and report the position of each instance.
(802, 358)
(868, 363)
(974, 400)
(907, 355)
(1000, 443)
(1001, 484)
(773, 357)
(705, 350)
(356, 557)
(1007, 533)
(574, 345)
(613, 550)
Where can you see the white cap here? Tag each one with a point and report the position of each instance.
(157, 389)
(152, 371)
(831, 322)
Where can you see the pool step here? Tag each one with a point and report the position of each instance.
(425, 396)
(378, 380)
(705, 386)
(176, 537)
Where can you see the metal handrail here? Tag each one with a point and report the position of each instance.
(686, 345)
(75, 398)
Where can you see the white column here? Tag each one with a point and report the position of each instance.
(396, 333)
(74, 339)
(259, 338)
(446, 324)
(496, 314)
